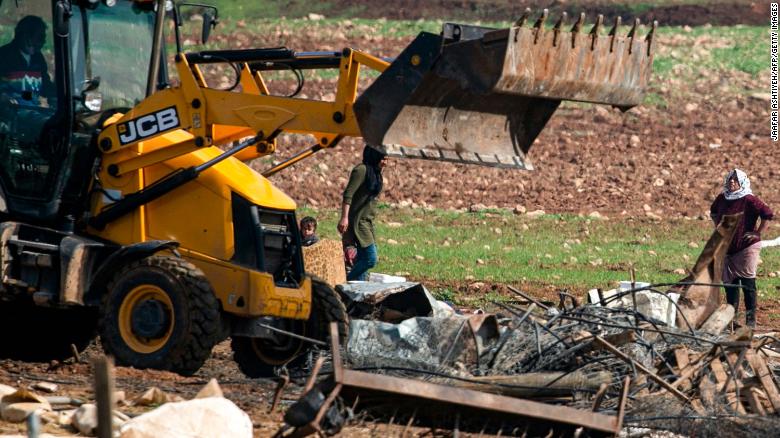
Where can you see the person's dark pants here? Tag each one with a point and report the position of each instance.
(365, 260)
(748, 286)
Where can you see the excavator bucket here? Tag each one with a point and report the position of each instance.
(481, 95)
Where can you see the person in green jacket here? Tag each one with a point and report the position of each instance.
(357, 210)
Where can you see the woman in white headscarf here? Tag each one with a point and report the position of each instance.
(742, 256)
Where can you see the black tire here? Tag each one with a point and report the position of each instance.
(258, 358)
(160, 312)
(41, 334)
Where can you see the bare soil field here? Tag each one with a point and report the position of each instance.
(664, 160)
(672, 13)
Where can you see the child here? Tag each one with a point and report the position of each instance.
(308, 231)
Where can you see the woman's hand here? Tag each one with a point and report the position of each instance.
(343, 225)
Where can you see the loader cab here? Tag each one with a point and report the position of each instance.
(64, 67)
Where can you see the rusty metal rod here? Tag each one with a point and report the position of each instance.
(654, 377)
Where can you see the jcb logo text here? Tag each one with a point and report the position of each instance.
(148, 125)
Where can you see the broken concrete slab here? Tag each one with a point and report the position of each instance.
(198, 418)
(17, 406)
(719, 320)
(423, 342)
(391, 302)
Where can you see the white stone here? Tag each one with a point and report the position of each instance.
(536, 214)
(211, 389)
(199, 418)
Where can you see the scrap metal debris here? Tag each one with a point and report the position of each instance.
(635, 356)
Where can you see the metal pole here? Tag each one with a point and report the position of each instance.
(154, 63)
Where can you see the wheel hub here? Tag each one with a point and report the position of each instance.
(150, 319)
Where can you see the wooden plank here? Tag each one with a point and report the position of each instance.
(681, 356)
(720, 374)
(654, 377)
(725, 384)
(766, 378)
(694, 366)
(755, 402)
(707, 391)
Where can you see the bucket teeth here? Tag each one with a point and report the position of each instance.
(631, 34)
(578, 24)
(557, 28)
(594, 32)
(649, 37)
(539, 25)
(613, 33)
(523, 18)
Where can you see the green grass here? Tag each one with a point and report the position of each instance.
(564, 251)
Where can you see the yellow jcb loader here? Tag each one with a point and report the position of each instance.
(127, 208)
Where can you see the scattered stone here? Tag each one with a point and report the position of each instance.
(536, 214)
(477, 286)
(475, 208)
(18, 412)
(315, 17)
(659, 182)
(487, 247)
(480, 262)
(519, 209)
(497, 231)
(693, 245)
(6, 390)
(446, 243)
(597, 262)
(647, 208)
(469, 277)
(714, 145)
(394, 225)
(211, 389)
(155, 396)
(764, 97)
(419, 257)
(206, 417)
(691, 107)
(84, 419)
(46, 387)
(652, 253)
(524, 227)
(597, 215)
(679, 271)
(17, 406)
(392, 242)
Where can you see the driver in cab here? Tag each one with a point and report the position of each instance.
(24, 76)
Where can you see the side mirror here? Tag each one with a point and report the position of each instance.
(209, 22)
(62, 15)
